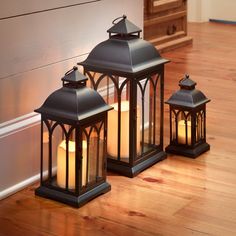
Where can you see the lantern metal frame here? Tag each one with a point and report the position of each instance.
(73, 108)
(126, 60)
(188, 105)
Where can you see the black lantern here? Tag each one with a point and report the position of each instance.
(129, 73)
(73, 143)
(188, 120)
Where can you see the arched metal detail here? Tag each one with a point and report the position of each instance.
(200, 125)
(96, 84)
(87, 131)
(142, 84)
(90, 77)
(173, 125)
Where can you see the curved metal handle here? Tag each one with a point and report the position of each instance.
(120, 17)
(71, 70)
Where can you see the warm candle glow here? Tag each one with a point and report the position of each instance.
(112, 138)
(45, 137)
(61, 164)
(182, 132)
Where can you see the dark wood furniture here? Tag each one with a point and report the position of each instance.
(165, 23)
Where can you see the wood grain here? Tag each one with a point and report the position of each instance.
(165, 23)
(178, 196)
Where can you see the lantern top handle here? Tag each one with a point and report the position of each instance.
(120, 17)
(124, 27)
(74, 79)
(187, 83)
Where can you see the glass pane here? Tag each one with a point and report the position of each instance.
(184, 128)
(124, 121)
(61, 160)
(199, 126)
(113, 136)
(110, 87)
(148, 114)
(45, 150)
(157, 108)
(112, 132)
(92, 155)
(101, 151)
(144, 117)
(50, 158)
(173, 124)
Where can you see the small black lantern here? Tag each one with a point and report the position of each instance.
(129, 73)
(187, 120)
(73, 143)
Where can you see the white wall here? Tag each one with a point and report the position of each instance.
(203, 10)
(39, 42)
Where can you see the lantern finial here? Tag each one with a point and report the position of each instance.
(123, 27)
(187, 83)
(74, 79)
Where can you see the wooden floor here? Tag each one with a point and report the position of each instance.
(178, 196)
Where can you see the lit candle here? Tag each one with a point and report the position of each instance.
(182, 132)
(61, 164)
(112, 137)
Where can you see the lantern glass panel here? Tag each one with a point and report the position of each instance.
(52, 136)
(156, 97)
(118, 119)
(45, 150)
(106, 85)
(184, 127)
(67, 144)
(174, 125)
(101, 151)
(148, 119)
(93, 154)
(144, 122)
(124, 120)
(199, 126)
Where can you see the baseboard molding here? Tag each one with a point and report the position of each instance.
(17, 187)
(19, 124)
(229, 22)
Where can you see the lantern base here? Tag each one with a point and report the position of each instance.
(131, 171)
(188, 152)
(72, 200)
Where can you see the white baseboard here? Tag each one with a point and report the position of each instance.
(17, 187)
(19, 124)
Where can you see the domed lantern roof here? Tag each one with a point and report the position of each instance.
(74, 101)
(124, 53)
(187, 96)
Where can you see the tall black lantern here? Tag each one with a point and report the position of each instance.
(73, 143)
(129, 73)
(188, 120)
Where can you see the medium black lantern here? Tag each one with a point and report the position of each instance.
(188, 120)
(73, 143)
(129, 73)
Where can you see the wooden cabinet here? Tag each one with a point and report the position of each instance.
(165, 23)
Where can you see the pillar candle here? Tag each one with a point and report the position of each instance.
(182, 132)
(61, 164)
(112, 135)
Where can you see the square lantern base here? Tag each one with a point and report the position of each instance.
(131, 171)
(75, 201)
(189, 152)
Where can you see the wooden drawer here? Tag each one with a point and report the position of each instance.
(155, 6)
(165, 29)
(165, 23)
